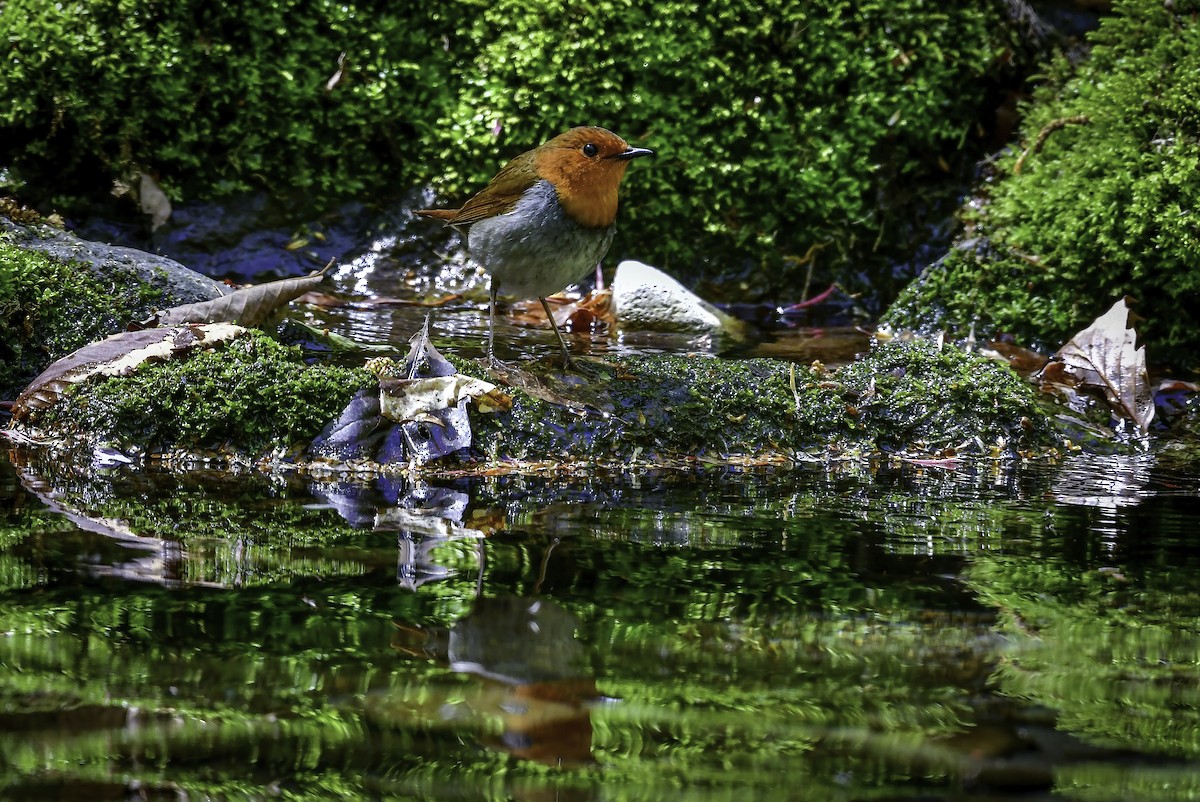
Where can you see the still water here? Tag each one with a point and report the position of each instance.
(829, 632)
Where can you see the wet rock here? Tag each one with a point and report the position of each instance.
(647, 298)
(62, 292)
(113, 262)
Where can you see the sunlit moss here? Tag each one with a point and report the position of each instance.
(249, 395)
(1103, 205)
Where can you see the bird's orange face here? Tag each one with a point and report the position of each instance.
(586, 166)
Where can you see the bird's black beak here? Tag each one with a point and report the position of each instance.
(632, 153)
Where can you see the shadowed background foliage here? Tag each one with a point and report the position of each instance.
(847, 128)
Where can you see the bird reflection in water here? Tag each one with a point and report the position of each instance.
(535, 675)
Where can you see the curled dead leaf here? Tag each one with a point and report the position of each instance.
(1103, 358)
(245, 307)
(118, 355)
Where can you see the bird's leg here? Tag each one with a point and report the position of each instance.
(567, 364)
(493, 288)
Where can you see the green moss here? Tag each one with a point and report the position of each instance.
(789, 125)
(662, 407)
(49, 309)
(913, 397)
(780, 126)
(250, 395)
(901, 396)
(1105, 208)
(219, 98)
(917, 392)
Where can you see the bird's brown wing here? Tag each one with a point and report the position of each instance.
(439, 214)
(498, 197)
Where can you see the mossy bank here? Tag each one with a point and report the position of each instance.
(1098, 201)
(241, 399)
(902, 398)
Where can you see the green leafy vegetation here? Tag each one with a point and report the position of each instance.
(218, 98)
(1104, 203)
(781, 127)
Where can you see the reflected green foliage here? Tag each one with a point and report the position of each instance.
(50, 308)
(1112, 648)
(780, 126)
(1074, 230)
(249, 395)
(1099, 782)
(706, 636)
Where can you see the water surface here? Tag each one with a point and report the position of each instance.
(828, 632)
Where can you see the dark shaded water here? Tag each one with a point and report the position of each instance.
(832, 632)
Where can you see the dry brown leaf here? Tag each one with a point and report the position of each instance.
(1024, 361)
(580, 314)
(1103, 358)
(245, 307)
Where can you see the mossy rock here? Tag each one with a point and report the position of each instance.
(58, 293)
(1099, 202)
(245, 398)
(254, 395)
(912, 398)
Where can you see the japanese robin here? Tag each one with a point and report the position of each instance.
(546, 219)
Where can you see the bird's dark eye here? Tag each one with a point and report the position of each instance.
(590, 150)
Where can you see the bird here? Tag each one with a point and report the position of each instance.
(546, 219)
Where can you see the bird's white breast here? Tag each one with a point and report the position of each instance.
(535, 250)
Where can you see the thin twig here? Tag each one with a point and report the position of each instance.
(1048, 129)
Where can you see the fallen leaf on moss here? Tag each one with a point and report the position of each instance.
(245, 307)
(1103, 358)
(118, 355)
(408, 399)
